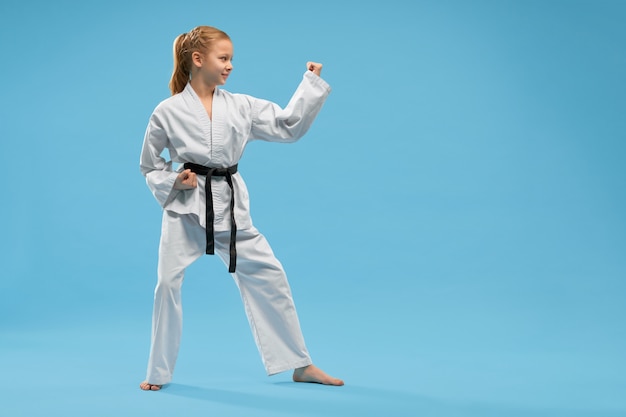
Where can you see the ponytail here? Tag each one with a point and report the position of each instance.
(198, 39)
(182, 55)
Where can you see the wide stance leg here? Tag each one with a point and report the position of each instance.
(267, 300)
(182, 242)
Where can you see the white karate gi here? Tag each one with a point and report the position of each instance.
(182, 125)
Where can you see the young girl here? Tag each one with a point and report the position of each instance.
(205, 202)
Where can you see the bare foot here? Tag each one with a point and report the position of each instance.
(149, 387)
(314, 374)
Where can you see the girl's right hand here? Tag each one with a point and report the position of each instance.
(186, 180)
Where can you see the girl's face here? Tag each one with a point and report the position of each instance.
(215, 65)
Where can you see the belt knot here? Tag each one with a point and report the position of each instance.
(210, 214)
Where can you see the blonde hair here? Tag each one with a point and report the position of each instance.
(198, 39)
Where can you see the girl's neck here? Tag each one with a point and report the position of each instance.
(202, 89)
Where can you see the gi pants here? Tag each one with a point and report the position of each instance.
(262, 283)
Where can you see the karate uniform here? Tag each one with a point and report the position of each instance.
(181, 125)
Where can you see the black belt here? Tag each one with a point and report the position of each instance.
(210, 215)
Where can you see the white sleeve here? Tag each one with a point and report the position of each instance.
(158, 172)
(272, 123)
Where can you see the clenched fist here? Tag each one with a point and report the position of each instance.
(315, 67)
(186, 180)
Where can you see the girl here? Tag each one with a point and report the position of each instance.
(205, 201)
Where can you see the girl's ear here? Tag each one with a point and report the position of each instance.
(196, 59)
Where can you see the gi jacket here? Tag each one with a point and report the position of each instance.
(181, 125)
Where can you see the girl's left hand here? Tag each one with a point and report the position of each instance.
(315, 67)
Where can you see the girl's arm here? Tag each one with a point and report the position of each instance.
(160, 177)
(272, 123)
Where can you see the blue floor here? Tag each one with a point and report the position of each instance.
(397, 360)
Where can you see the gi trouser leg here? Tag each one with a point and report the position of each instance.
(267, 300)
(182, 242)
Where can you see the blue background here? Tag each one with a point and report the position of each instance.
(453, 225)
